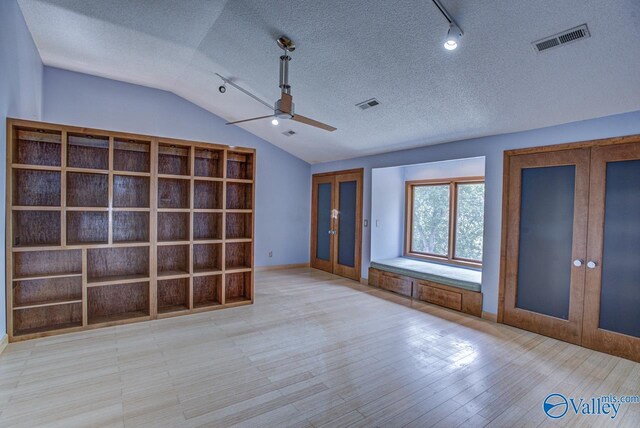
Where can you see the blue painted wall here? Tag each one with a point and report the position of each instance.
(20, 92)
(283, 181)
(492, 149)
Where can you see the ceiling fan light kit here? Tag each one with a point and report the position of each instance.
(284, 108)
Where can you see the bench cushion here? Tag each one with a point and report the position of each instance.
(455, 276)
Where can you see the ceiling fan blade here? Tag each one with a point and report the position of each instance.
(307, 121)
(286, 100)
(248, 120)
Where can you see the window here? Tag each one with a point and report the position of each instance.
(445, 220)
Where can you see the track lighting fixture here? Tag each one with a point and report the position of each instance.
(454, 34)
(453, 37)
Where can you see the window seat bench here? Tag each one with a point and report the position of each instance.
(453, 287)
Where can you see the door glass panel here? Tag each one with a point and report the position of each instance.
(620, 293)
(347, 224)
(323, 241)
(546, 236)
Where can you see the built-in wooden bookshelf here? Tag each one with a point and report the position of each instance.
(106, 228)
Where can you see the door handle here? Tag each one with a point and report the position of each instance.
(332, 232)
(592, 264)
(578, 262)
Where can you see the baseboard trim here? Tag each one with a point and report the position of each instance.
(4, 342)
(280, 267)
(489, 316)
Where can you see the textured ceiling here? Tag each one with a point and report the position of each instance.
(349, 51)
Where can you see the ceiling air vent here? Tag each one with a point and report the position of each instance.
(289, 133)
(563, 38)
(368, 104)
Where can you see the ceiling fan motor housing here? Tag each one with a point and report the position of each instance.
(283, 114)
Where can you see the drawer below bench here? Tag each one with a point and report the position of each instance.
(458, 299)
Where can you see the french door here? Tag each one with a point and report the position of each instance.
(612, 288)
(336, 223)
(548, 199)
(572, 253)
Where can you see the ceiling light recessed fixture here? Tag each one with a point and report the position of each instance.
(275, 122)
(454, 34)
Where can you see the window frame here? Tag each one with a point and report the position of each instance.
(453, 217)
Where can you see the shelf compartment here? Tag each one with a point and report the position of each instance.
(208, 163)
(173, 159)
(173, 226)
(117, 302)
(87, 190)
(173, 295)
(130, 226)
(87, 227)
(131, 155)
(47, 263)
(239, 226)
(207, 291)
(238, 255)
(173, 260)
(36, 228)
(207, 194)
(36, 188)
(105, 264)
(88, 151)
(239, 196)
(46, 291)
(207, 257)
(130, 191)
(47, 318)
(207, 226)
(240, 165)
(37, 147)
(238, 287)
(173, 193)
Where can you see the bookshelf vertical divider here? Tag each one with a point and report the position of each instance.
(153, 229)
(106, 228)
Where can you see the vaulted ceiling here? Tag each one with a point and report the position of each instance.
(350, 51)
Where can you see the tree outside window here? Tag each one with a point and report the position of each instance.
(445, 220)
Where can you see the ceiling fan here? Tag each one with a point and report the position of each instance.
(284, 108)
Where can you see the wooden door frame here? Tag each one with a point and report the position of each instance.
(508, 154)
(359, 216)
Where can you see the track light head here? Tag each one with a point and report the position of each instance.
(453, 37)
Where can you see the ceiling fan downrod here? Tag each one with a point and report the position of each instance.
(287, 45)
(284, 74)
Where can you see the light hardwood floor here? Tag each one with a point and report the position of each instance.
(314, 350)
